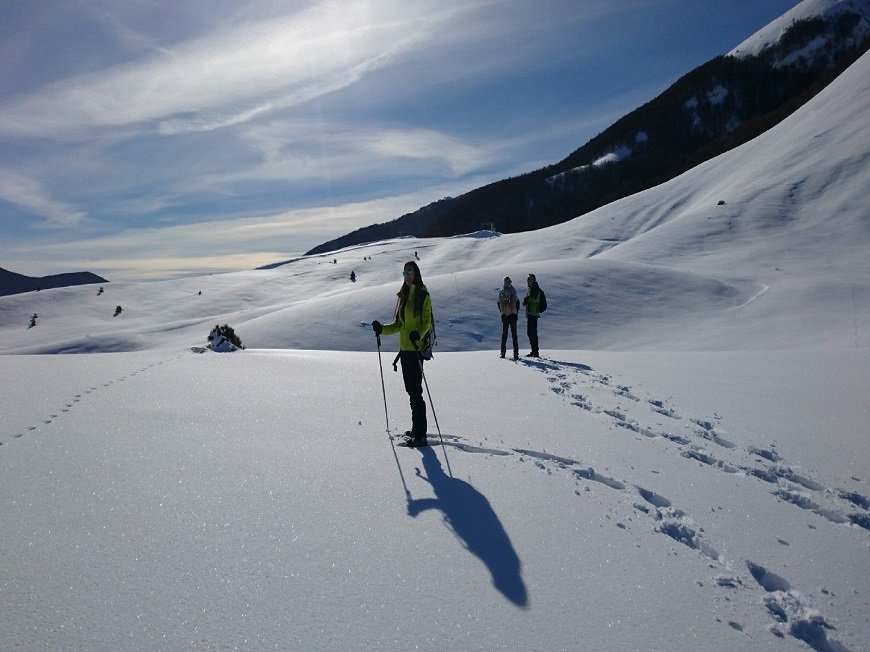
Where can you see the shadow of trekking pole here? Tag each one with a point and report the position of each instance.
(432, 405)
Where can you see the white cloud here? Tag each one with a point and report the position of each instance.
(29, 194)
(304, 151)
(240, 113)
(231, 244)
(229, 75)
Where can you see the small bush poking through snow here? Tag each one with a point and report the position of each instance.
(223, 339)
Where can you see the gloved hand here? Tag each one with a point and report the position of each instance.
(525, 301)
(377, 327)
(414, 336)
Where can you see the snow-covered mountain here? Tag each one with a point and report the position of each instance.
(699, 482)
(711, 109)
(827, 11)
(763, 247)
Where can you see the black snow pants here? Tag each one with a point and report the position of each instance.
(412, 374)
(532, 332)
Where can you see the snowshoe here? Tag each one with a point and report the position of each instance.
(414, 441)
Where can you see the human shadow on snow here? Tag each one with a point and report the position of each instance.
(471, 518)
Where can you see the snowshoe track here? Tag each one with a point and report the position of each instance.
(698, 440)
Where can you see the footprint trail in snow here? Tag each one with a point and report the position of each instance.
(71, 404)
(702, 440)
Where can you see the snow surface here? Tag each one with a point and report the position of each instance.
(685, 469)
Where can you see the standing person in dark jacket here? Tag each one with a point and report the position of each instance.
(535, 304)
(509, 306)
(413, 319)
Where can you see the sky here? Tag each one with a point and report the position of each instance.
(684, 468)
(156, 140)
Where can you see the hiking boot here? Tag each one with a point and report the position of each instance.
(410, 440)
(417, 441)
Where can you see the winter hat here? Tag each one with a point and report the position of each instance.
(507, 279)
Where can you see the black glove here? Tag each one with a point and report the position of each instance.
(377, 327)
(414, 336)
(525, 301)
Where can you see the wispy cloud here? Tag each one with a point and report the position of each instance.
(230, 75)
(206, 247)
(30, 195)
(299, 152)
(167, 133)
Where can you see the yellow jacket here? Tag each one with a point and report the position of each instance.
(407, 321)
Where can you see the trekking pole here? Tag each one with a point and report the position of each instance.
(383, 386)
(432, 405)
(387, 416)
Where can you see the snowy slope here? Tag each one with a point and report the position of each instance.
(704, 488)
(781, 264)
(771, 33)
(169, 500)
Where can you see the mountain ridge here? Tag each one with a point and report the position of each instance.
(712, 109)
(761, 248)
(14, 283)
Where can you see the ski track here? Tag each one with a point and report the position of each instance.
(699, 440)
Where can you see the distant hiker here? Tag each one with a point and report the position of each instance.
(33, 320)
(412, 321)
(509, 307)
(535, 303)
(416, 256)
(100, 291)
(353, 277)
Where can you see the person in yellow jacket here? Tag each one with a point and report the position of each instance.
(412, 321)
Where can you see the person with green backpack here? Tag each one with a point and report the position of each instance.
(412, 321)
(535, 302)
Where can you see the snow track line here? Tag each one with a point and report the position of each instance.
(764, 289)
(76, 399)
(785, 605)
(703, 442)
(788, 608)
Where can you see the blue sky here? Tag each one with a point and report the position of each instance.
(157, 139)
